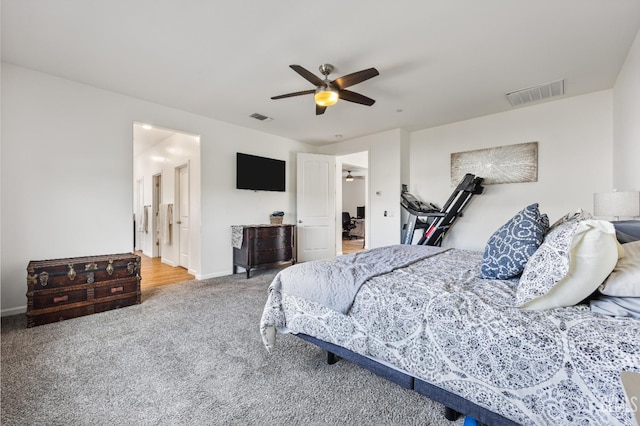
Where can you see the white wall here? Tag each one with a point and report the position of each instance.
(385, 150)
(626, 123)
(176, 151)
(574, 161)
(67, 173)
(353, 195)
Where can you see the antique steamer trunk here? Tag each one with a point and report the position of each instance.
(60, 289)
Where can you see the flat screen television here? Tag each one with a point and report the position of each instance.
(260, 173)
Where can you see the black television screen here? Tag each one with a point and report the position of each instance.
(260, 173)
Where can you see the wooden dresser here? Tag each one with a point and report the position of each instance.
(60, 289)
(264, 245)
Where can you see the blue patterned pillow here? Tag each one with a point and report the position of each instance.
(510, 247)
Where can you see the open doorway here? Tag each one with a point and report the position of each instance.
(167, 181)
(354, 201)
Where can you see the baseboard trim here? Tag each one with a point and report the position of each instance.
(13, 311)
(168, 262)
(214, 275)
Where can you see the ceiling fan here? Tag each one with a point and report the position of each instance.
(349, 177)
(328, 92)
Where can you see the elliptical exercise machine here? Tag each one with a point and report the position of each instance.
(437, 221)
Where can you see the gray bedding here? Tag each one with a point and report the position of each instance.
(437, 320)
(335, 282)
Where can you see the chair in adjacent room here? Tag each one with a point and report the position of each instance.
(347, 225)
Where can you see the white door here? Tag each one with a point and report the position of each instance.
(316, 201)
(183, 216)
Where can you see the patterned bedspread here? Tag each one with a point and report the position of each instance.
(439, 321)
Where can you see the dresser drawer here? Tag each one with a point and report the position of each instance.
(121, 302)
(59, 315)
(269, 232)
(116, 287)
(271, 243)
(58, 298)
(269, 256)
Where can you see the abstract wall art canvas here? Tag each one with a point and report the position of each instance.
(502, 164)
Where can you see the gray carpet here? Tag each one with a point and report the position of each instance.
(189, 354)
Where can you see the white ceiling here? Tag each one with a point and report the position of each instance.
(146, 137)
(440, 61)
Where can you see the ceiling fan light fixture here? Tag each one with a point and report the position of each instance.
(349, 177)
(326, 96)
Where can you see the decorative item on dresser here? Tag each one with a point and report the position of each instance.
(257, 245)
(60, 289)
(276, 218)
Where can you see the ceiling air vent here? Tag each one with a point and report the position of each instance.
(536, 93)
(260, 117)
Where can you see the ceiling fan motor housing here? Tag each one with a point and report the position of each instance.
(326, 69)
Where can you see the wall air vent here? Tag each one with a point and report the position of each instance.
(536, 93)
(260, 117)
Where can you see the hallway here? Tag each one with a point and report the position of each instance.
(155, 273)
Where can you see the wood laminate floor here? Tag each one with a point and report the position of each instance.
(155, 273)
(352, 246)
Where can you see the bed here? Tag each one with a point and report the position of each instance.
(500, 350)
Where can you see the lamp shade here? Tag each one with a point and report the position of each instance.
(326, 97)
(616, 204)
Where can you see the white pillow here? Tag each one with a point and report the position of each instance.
(624, 281)
(574, 259)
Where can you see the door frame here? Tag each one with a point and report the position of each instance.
(138, 232)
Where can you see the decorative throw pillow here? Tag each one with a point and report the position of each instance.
(576, 216)
(574, 259)
(624, 280)
(509, 248)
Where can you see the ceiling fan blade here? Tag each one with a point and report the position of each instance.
(308, 75)
(350, 96)
(355, 78)
(320, 109)
(288, 95)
